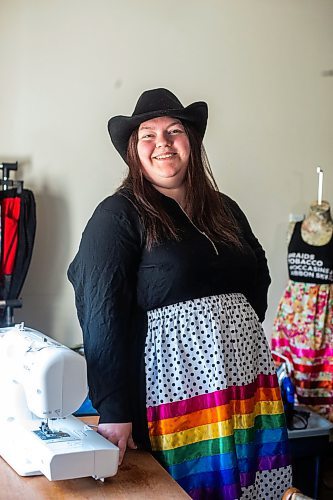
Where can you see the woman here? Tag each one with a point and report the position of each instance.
(171, 286)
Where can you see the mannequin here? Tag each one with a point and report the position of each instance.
(303, 326)
(317, 227)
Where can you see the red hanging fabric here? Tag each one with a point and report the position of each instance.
(10, 215)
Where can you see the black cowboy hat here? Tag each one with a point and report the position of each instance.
(152, 104)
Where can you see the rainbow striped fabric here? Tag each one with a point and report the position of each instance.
(214, 444)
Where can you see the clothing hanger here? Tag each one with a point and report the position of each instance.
(5, 182)
(18, 185)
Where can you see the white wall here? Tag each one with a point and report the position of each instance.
(68, 65)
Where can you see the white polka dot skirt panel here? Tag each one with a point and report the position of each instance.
(203, 345)
(269, 485)
(214, 410)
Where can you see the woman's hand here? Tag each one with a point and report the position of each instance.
(120, 435)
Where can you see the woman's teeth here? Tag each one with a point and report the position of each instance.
(164, 157)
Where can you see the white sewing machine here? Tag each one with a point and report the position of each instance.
(41, 384)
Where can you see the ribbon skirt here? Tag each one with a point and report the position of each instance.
(214, 409)
(303, 332)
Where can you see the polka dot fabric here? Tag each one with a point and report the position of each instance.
(214, 410)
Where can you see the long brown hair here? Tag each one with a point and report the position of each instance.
(204, 204)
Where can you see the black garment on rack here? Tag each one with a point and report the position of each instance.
(11, 284)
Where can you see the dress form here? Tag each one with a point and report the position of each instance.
(303, 326)
(317, 227)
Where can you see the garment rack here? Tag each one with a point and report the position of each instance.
(10, 304)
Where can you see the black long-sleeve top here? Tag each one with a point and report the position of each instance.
(117, 280)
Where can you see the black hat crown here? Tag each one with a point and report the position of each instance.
(157, 100)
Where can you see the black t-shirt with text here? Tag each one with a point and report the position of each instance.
(308, 263)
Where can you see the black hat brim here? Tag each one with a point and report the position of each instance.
(121, 127)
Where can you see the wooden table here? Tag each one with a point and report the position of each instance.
(139, 477)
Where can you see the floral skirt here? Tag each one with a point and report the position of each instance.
(303, 332)
(214, 409)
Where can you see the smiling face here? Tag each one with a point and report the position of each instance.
(164, 151)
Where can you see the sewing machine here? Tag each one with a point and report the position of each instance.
(42, 383)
